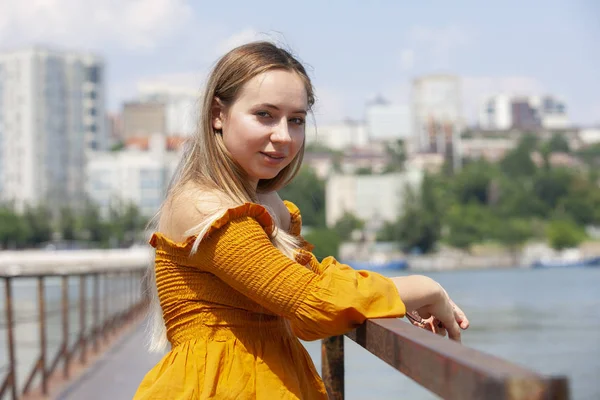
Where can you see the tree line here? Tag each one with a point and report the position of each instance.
(506, 203)
(40, 226)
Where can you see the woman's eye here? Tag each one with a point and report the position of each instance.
(263, 114)
(297, 121)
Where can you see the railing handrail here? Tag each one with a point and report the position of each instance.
(131, 304)
(448, 369)
(71, 272)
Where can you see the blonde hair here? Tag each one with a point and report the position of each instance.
(207, 164)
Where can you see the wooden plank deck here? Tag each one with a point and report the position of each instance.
(118, 372)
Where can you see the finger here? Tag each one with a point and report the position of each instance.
(453, 331)
(460, 316)
(448, 320)
(431, 326)
(442, 332)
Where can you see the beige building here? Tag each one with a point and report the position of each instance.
(143, 119)
(492, 149)
(372, 198)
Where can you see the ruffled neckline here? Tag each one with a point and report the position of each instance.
(256, 211)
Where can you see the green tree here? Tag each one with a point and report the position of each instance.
(518, 162)
(39, 223)
(364, 171)
(92, 226)
(307, 191)
(582, 202)
(473, 183)
(552, 185)
(347, 224)
(558, 144)
(564, 233)
(396, 155)
(514, 232)
(67, 224)
(13, 229)
(326, 242)
(117, 146)
(516, 199)
(419, 225)
(590, 154)
(126, 222)
(469, 224)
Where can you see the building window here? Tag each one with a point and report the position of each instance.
(93, 74)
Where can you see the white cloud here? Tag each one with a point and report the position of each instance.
(438, 45)
(133, 24)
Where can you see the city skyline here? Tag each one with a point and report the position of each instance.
(534, 49)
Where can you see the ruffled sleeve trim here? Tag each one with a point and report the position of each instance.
(256, 211)
(296, 229)
(296, 218)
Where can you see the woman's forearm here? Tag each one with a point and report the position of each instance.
(417, 291)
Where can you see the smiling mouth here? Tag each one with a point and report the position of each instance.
(274, 156)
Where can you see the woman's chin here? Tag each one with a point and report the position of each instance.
(268, 174)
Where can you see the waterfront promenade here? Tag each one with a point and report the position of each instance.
(53, 320)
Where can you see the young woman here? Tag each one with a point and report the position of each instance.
(237, 285)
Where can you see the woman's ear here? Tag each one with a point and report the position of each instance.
(217, 114)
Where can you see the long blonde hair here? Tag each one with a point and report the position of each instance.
(207, 164)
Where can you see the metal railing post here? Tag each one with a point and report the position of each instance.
(43, 342)
(332, 365)
(10, 337)
(96, 324)
(82, 312)
(65, 324)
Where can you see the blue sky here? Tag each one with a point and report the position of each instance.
(354, 49)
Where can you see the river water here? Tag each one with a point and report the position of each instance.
(547, 320)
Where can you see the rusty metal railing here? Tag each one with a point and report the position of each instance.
(446, 368)
(101, 300)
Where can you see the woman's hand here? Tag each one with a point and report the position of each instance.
(429, 306)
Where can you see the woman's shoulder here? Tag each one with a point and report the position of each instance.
(280, 209)
(189, 207)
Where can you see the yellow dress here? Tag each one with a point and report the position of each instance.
(235, 309)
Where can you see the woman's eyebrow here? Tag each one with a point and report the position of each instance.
(273, 106)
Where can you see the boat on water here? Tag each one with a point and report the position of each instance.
(558, 263)
(378, 264)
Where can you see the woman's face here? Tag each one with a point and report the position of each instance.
(264, 128)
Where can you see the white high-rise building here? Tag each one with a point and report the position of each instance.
(387, 121)
(504, 111)
(496, 113)
(51, 109)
